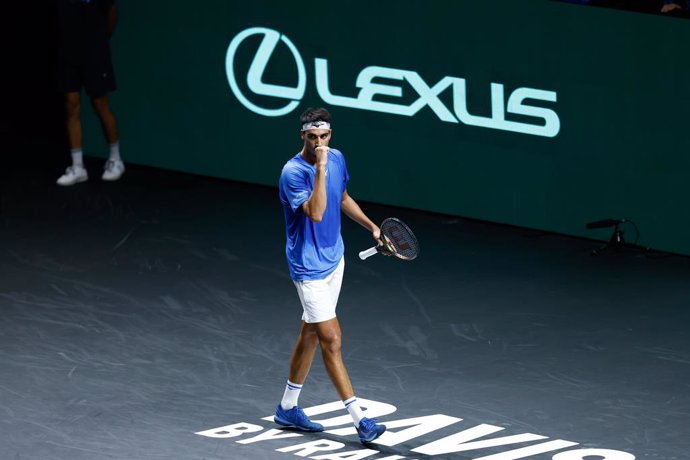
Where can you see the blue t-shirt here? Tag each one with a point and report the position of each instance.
(313, 249)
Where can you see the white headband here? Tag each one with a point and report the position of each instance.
(316, 125)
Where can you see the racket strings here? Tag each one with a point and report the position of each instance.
(401, 238)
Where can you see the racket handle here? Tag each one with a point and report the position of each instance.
(368, 253)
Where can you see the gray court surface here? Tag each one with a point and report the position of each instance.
(138, 314)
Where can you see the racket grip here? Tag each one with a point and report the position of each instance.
(368, 253)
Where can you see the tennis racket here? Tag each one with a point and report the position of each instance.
(398, 240)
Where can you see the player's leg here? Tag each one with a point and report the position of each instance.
(330, 334)
(330, 339)
(288, 412)
(300, 363)
(303, 353)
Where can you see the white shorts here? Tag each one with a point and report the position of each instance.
(319, 297)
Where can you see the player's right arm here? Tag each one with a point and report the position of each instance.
(315, 207)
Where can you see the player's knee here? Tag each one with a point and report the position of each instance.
(331, 342)
(309, 339)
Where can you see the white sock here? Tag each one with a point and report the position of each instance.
(115, 151)
(77, 157)
(291, 395)
(353, 408)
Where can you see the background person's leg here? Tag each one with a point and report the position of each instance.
(114, 167)
(73, 120)
(108, 123)
(75, 173)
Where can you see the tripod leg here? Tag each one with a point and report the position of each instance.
(617, 241)
(596, 252)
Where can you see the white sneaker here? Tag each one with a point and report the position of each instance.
(113, 170)
(73, 175)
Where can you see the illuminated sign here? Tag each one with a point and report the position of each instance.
(369, 89)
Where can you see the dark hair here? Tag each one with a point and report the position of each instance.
(313, 114)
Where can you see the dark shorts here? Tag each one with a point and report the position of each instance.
(92, 71)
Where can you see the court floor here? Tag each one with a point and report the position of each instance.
(153, 318)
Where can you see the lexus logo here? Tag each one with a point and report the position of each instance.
(256, 71)
(509, 112)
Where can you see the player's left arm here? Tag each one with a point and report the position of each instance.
(352, 210)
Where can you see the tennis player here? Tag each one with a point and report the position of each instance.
(313, 193)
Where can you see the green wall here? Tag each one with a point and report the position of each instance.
(621, 81)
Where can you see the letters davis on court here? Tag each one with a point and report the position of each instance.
(468, 442)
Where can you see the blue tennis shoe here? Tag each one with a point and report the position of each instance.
(295, 417)
(368, 430)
